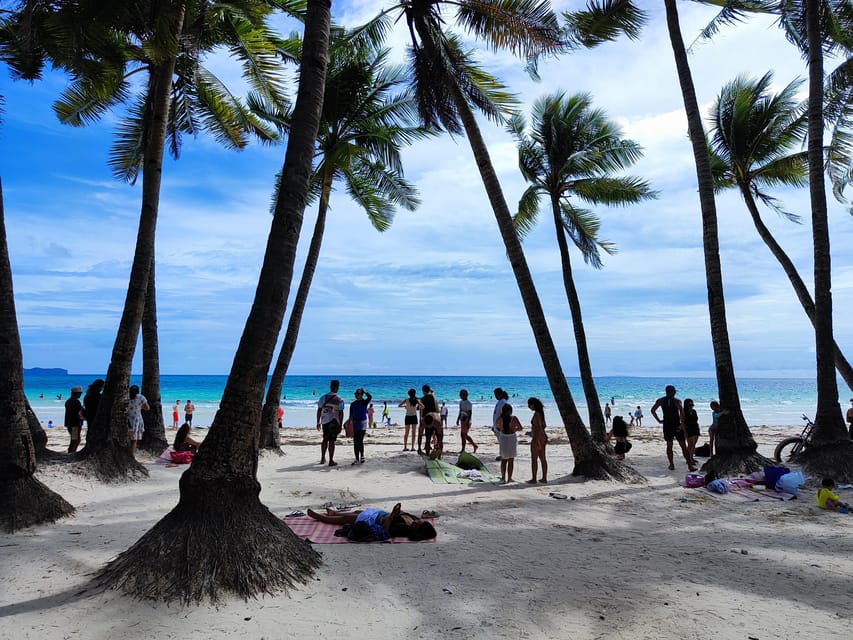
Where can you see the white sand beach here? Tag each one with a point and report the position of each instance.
(647, 561)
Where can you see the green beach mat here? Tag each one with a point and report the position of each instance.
(442, 472)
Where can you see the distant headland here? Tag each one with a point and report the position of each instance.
(39, 371)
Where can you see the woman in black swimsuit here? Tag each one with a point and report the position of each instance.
(691, 431)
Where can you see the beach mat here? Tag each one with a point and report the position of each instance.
(318, 532)
(442, 472)
(742, 494)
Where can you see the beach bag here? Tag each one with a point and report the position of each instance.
(719, 486)
(772, 475)
(182, 457)
(694, 480)
(790, 482)
(703, 451)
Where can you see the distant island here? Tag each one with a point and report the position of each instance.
(39, 371)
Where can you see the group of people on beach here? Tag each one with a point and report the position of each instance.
(427, 420)
(680, 424)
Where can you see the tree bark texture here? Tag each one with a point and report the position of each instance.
(154, 438)
(24, 501)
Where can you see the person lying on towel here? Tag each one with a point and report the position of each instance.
(375, 524)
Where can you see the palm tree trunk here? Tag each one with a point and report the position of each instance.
(154, 437)
(106, 448)
(833, 451)
(800, 289)
(590, 459)
(735, 445)
(24, 501)
(269, 422)
(596, 416)
(220, 537)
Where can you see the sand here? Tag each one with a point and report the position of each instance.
(614, 561)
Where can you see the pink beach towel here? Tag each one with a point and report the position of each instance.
(318, 532)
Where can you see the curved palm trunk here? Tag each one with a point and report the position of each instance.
(270, 437)
(106, 441)
(154, 438)
(24, 501)
(800, 289)
(591, 460)
(596, 416)
(37, 433)
(220, 537)
(736, 448)
(833, 453)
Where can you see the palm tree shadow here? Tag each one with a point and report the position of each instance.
(75, 593)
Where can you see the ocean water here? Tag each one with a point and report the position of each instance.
(765, 401)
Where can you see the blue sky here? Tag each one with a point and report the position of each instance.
(434, 294)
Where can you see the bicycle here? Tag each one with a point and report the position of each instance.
(789, 447)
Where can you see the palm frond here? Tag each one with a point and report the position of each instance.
(528, 212)
(603, 21)
(774, 204)
(732, 12)
(527, 28)
(618, 191)
(582, 226)
(126, 153)
(87, 99)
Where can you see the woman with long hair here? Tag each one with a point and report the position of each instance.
(537, 441)
(413, 408)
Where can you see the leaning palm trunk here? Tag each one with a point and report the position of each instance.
(220, 537)
(833, 452)
(24, 501)
(591, 460)
(154, 437)
(106, 448)
(596, 417)
(800, 289)
(736, 448)
(270, 437)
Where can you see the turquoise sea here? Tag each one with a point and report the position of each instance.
(765, 401)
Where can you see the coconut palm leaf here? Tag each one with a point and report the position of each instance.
(603, 22)
(527, 215)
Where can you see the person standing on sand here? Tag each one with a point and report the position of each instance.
(502, 397)
(607, 412)
(538, 441)
(136, 426)
(508, 426)
(359, 416)
(463, 420)
(850, 418)
(428, 405)
(189, 408)
(74, 418)
(175, 410)
(638, 417)
(330, 420)
(91, 401)
(673, 423)
(413, 408)
(386, 415)
(443, 411)
(370, 422)
(691, 431)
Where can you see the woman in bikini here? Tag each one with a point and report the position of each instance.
(538, 441)
(379, 524)
(413, 408)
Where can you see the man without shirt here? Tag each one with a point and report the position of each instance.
(673, 424)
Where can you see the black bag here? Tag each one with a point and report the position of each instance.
(703, 451)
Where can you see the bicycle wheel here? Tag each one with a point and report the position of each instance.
(788, 448)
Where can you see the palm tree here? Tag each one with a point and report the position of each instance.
(572, 151)
(755, 140)
(448, 87)
(814, 26)
(363, 127)
(736, 448)
(164, 40)
(220, 537)
(24, 501)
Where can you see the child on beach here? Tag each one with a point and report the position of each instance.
(538, 441)
(826, 499)
(716, 412)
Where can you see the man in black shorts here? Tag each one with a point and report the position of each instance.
(673, 422)
(429, 406)
(330, 418)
